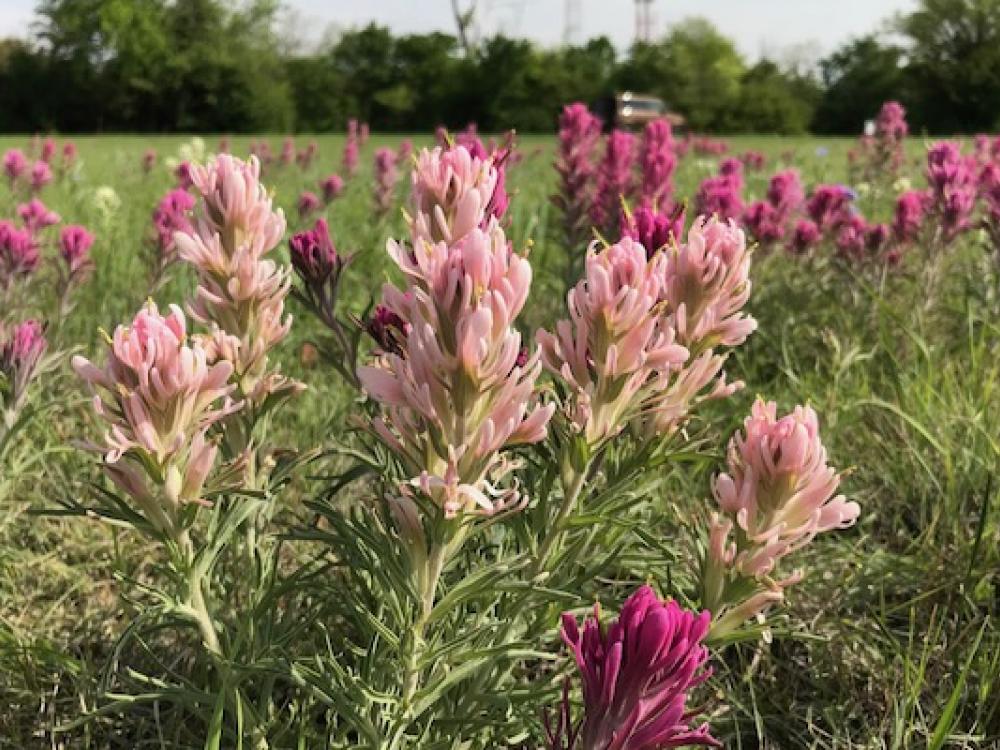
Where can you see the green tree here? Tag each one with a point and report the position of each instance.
(857, 78)
(775, 101)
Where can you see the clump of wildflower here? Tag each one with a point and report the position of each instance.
(720, 196)
(637, 673)
(404, 152)
(159, 396)
(74, 247)
(778, 494)
(952, 182)
(306, 156)
(805, 236)
(171, 215)
(48, 150)
(614, 178)
(579, 131)
(349, 160)
(829, 206)
(69, 155)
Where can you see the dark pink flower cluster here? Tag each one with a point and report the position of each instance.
(171, 215)
(614, 178)
(21, 351)
(386, 176)
(636, 673)
(74, 247)
(951, 178)
(579, 131)
(331, 187)
(352, 148)
(657, 161)
(722, 195)
(754, 160)
(768, 220)
(653, 229)
(18, 253)
(309, 203)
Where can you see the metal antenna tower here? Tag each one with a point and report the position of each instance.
(571, 21)
(643, 20)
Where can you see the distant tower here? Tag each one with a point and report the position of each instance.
(571, 22)
(643, 20)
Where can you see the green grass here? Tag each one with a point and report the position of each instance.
(892, 639)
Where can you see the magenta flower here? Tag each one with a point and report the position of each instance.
(308, 204)
(637, 673)
(41, 175)
(386, 176)
(306, 156)
(779, 493)
(657, 161)
(74, 247)
(763, 222)
(15, 163)
(36, 216)
(891, 122)
(18, 253)
(805, 236)
(68, 156)
(48, 150)
(851, 237)
(908, 218)
(332, 187)
(785, 195)
(654, 230)
(614, 178)
(21, 351)
(720, 196)
(363, 133)
(754, 160)
(183, 176)
(172, 215)
(148, 160)
(349, 160)
(579, 131)
(952, 181)
(159, 396)
(733, 169)
(829, 206)
(319, 266)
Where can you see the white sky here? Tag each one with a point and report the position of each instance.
(812, 27)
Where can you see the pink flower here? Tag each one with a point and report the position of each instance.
(404, 152)
(616, 353)
(733, 169)
(386, 177)
(332, 187)
(763, 222)
(891, 122)
(41, 175)
(779, 493)
(388, 331)
(15, 163)
(952, 183)
(658, 161)
(452, 194)
(579, 131)
(159, 396)
(18, 253)
(68, 156)
(305, 157)
(851, 238)
(363, 132)
(654, 231)
(805, 237)
(753, 160)
(74, 246)
(36, 216)
(785, 195)
(614, 177)
(21, 351)
(239, 291)
(308, 204)
(319, 266)
(287, 152)
(707, 285)
(637, 672)
(453, 398)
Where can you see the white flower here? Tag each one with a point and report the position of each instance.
(106, 200)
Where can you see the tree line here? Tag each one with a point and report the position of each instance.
(220, 65)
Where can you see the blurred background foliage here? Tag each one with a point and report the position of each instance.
(219, 65)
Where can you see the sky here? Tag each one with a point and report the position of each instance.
(760, 27)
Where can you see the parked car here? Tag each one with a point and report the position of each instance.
(628, 110)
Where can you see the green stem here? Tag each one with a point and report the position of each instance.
(572, 486)
(429, 578)
(196, 605)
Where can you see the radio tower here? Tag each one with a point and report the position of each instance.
(643, 20)
(571, 22)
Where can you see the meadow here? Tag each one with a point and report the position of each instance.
(890, 641)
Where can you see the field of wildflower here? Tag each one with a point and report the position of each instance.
(628, 440)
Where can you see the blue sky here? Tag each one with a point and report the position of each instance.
(771, 27)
